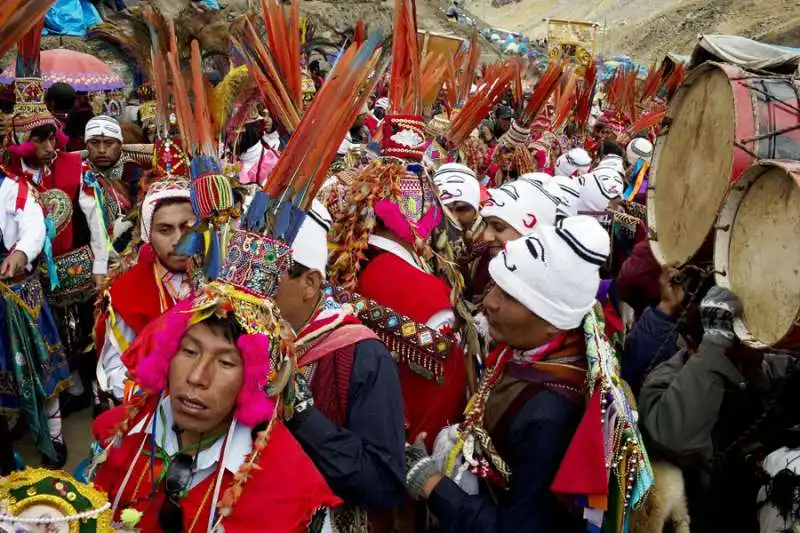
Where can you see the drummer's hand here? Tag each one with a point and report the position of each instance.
(13, 264)
(718, 310)
(672, 294)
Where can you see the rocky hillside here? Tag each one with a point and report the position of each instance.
(647, 29)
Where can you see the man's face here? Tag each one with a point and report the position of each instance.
(205, 377)
(497, 233)
(379, 113)
(103, 151)
(45, 148)
(297, 297)
(170, 222)
(502, 125)
(512, 323)
(464, 213)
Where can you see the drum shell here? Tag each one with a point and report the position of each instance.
(742, 252)
(763, 128)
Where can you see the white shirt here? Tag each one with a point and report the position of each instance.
(442, 318)
(22, 229)
(236, 447)
(98, 240)
(111, 371)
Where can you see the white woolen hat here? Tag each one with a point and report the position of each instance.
(600, 187)
(158, 192)
(639, 148)
(310, 246)
(570, 194)
(458, 183)
(576, 161)
(554, 271)
(521, 204)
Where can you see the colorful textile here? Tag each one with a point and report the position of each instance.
(33, 365)
(403, 137)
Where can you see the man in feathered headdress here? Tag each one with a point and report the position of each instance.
(78, 250)
(33, 365)
(159, 279)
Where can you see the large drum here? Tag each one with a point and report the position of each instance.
(720, 121)
(757, 252)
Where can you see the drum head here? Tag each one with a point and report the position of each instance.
(764, 256)
(692, 165)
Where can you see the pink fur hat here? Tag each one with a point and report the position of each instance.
(252, 404)
(414, 213)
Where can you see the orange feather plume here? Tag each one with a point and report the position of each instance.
(303, 165)
(17, 18)
(545, 87)
(674, 80)
(494, 86)
(180, 94)
(645, 122)
(404, 81)
(584, 104)
(360, 35)
(566, 99)
(651, 83)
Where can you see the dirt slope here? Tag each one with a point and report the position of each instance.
(646, 29)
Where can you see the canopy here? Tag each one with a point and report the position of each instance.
(745, 53)
(83, 72)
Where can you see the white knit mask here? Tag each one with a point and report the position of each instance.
(522, 205)
(458, 183)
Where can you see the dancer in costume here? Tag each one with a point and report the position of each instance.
(157, 281)
(519, 435)
(352, 376)
(33, 365)
(384, 242)
(80, 247)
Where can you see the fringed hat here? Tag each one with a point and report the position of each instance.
(30, 111)
(517, 135)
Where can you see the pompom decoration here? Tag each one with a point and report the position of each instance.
(252, 405)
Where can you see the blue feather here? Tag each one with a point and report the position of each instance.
(213, 261)
(256, 217)
(190, 244)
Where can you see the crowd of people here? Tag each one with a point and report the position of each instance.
(387, 295)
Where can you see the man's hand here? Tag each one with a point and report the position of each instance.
(99, 280)
(717, 312)
(672, 294)
(13, 264)
(422, 474)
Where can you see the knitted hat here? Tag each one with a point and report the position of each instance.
(310, 246)
(517, 135)
(104, 126)
(554, 271)
(158, 192)
(639, 148)
(457, 183)
(599, 188)
(522, 204)
(382, 103)
(570, 194)
(403, 137)
(575, 162)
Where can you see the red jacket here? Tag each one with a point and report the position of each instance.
(429, 406)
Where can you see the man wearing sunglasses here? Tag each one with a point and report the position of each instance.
(172, 458)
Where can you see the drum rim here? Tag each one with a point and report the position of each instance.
(731, 71)
(722, 238)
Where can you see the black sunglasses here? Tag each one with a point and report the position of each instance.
(179, 473)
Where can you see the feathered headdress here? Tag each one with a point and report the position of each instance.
(17, 18)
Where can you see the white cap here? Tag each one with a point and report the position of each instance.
(554, 271)
(458, 183)
(521, 204)
(103, 125)
(383, 103)
(599, 188)
(576, 161)
(310, 246)
(157, 193)
(570, 194)
(639, 148)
